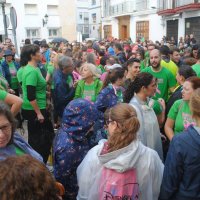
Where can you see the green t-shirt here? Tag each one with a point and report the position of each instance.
(196, 68)
(70, 80)
(19, 74)
(101, 67)
(156, 105)
(182, 116)
(13, 73)
(50, 70)
(32, 76)
(171, 66)
(165, 81)
(89, 92)
(19, 151)
(3, 95)
(3, 83)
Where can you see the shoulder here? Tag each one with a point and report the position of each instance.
(149, 155)
(167, 72)
(81, 82)
(147, 69)
(98, 82)
(106, 90)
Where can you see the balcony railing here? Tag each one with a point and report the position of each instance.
(122, 8)
(185, 2)
(172, 4)
(127, 7)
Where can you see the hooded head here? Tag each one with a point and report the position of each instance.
(78, 118)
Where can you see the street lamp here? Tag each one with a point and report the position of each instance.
(45, 20)
(3, 2)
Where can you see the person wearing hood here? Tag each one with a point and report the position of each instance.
(181, 179)
(90, 85)
(120, 166)
(166, 61)
(72, 143)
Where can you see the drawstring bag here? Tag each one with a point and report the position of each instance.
(115, 185)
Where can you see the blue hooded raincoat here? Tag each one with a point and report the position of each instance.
(71, 143)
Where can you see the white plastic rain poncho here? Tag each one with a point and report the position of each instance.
(145, 161)
(149, 132)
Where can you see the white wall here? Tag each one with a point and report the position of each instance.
(97, 26)
(32, 20)
(155, 27)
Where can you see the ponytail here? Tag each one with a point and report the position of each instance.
(113, 76)
(129, 92)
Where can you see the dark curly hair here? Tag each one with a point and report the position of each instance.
(25, 178)
(142, 79)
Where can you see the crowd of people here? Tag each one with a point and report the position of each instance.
(120, 119)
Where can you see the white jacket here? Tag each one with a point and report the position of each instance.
(149, 169)
(149, 132)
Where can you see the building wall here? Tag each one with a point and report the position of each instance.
(82, 9)
(67, 12)
(156, 25)
(181, 22)
(61, 19)
(95, 26)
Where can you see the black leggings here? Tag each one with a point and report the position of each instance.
(40, 135)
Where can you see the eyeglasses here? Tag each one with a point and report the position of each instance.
(5, 128)
(108, 121)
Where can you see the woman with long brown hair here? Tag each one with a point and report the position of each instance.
(120, 166)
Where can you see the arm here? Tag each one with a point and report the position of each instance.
(78, 93)
(161, 116)
(31, 94)
(169, 128)
(15, 102)
(48, 77)
(156, 171)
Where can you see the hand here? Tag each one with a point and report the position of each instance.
(40, 117)
(162, 103)
(75, 83)
(11, 91)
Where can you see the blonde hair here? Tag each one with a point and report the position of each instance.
(128, 125)
(195, 103)
(93, 69)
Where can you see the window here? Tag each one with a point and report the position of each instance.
(142, 30)
(33, 33)
(94, 18)
(81, 15)
(53, 32)
(86, 30)
(52, 10)
(93, 2)
(30, 9)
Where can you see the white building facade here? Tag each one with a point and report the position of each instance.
(180, 18)
(82, 19)
(95, 18)
(38, 19)
(131, 19)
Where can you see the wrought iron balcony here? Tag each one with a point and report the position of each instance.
(169, 7)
